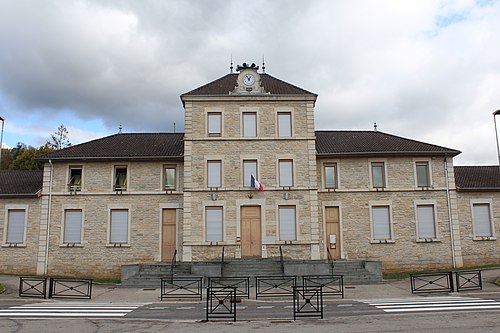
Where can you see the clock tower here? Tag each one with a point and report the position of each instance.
(249, 81)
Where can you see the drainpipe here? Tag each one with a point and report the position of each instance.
(448, 198)
(47, 235)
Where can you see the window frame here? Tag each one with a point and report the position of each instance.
(489, 204)
(117, 187)
(382, 166)
(13, 208)
(281, 223)
(245, 114)
(221, 222)
(335, 175)
(73, 187)
(246, 175)
(165, 177)
(427, 174)
(65, 227)
(419, 222)
(289, 129)
(214, 162)
(110, 241)
(210, 121)
(281, 181)
(388, 206)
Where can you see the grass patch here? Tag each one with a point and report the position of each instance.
(396, 276)
(106, 281)
(2, 289)
(405, 275)
(497, 282)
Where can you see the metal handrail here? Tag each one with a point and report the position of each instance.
(222, 263)
(282, 263)
(172, 265)
(330, 260)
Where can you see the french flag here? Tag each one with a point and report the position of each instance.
(255, 184)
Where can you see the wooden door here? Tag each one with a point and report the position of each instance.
(168, 235)
(251, 239)
(332, 226)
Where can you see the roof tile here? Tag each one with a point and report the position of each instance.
(477, 177)
(20, 182)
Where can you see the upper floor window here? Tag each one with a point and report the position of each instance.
(120, 178)
(214, 174)
(249, 124)
(214, 224)
(378, 174)
(423, 175)
(118, 226)
(72, 226)
(287, 223)
(75, 178)
(284, 124)
(16, 226)
(330, 174)
(483, 226)
(249, 169)
(214, 124)
(285, 173)
(169, 178)
(426, 224)
(381, 223)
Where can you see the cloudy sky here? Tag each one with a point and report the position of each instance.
(427, 70)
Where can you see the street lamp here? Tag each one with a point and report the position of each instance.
(496, 113)
(1, 140)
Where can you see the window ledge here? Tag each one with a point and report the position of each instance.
(428, 240)
(14, 245)
(484, 238)
(118, 245)
(382, 241)
(70, 245)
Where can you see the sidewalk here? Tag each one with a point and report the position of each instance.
(110, 293)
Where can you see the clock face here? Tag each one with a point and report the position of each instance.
(248, 79)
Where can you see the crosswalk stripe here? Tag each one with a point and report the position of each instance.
(434, 304)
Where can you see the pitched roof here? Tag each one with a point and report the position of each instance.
(16, 183)
(226, 84)
(125, 146)
(477, 178)
(371, 143)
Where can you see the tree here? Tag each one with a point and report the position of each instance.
(26, 160)
(59, 138)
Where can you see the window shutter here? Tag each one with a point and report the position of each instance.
(15, 229)
(249, 168)
(73, 226)
(381, 223)
(287, 223)
(426, 223)
(214, 174)
(284, 124)
(286, 173)
(214, 224)
(482, 220)
(249, 125)
(119, 226)
(214, 123)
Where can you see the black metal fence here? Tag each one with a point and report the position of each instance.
(181, 287)
(331, 284)
(307, 301)
(274, 286)
(70, 288)
(444, 282)
(32, 287)
(242, 284)
(221, 303)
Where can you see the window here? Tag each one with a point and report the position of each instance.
(72, 226)
(214, 124)
(284, 124)
(213, 217)
(16, 226)
(381, 223)
(214, 169)
(249, 124)
(287, 224)
(75, 178)
(120, 181)
(482, 220)
(118, 226)
(285, 173)
(330, 174)
(378, 174)
(169, 178)
(423, 176)
(426, 225)
(249, 168)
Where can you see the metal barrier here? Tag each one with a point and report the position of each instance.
(331, 284)
(469, 280)
(70, 288)
(181, 287)
(221, 303)
(242, 284)
(431, 282)
(307, 301)
(32, 287)
(274, 286)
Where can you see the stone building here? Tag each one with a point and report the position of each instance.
(152, 197)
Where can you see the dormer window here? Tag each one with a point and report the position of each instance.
(75, 179)
(120, 178)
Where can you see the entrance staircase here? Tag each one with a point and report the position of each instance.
(354, 271)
